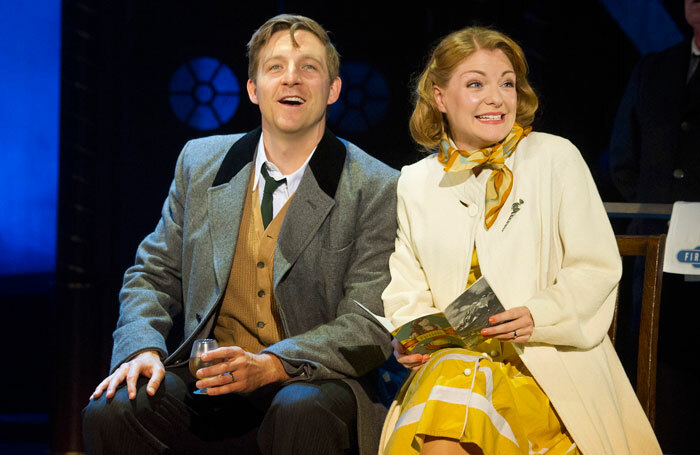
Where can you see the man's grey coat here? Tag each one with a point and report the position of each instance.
(333, 247)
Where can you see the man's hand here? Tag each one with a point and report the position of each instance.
(239, 371)
(412, 361)
(147, 363)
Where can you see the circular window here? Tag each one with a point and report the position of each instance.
(204, 93)
(364, 98)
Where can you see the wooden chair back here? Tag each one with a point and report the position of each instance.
(652, 248)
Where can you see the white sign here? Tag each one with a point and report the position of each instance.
(683, 242)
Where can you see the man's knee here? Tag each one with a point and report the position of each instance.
(110, 423)
(103, 413)
(316, 399)
(104, 422)
(300, 410)
(295, 399)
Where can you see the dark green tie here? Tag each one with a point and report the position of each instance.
(270, 186)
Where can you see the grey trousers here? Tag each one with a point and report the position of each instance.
(299, 418)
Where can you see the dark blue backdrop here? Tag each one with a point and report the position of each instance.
(29, 111)
(29, 99)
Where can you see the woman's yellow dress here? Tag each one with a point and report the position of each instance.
(486, 397)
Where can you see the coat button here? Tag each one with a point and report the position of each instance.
(261, 265)
(261, 293)
(467, 371)
(685, 126)
(473, 210)
(493, 353)
(678, 173)
(261, 324)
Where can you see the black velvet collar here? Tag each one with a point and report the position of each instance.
(326, 164)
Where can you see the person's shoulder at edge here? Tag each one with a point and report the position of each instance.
(661, 64)
(370, 166)
(204, 151)
(680, 49)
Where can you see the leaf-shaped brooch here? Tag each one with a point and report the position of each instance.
(513, 210)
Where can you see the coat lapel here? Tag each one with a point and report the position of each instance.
(311, 204)
(453, 211)
(225, 199)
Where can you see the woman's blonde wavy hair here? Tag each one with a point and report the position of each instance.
(427, 122)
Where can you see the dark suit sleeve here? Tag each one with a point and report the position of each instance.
(352, 344)
(625, 140)
(151, 293)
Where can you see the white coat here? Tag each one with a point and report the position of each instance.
(556, 255)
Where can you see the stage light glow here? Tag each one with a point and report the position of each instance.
(30, 40)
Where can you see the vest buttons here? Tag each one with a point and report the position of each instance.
(473, 210)
(261, 293)
(678, 173)
(261, 324)
(261, 265)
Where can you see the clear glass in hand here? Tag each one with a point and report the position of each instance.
(198, 348)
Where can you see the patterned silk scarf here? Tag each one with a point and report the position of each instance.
(500, 181)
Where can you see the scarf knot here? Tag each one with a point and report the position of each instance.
(494, 157)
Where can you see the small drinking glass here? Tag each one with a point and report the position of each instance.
(198, 348)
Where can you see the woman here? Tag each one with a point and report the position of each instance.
(521, 209)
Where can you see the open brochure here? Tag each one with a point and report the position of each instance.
(458, 326)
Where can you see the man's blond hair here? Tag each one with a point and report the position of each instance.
(292, 23)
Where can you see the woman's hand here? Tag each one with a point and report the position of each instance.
(412, 361)
(514, 325)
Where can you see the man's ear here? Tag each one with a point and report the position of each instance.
(335, 90)
(437, 95)
(252, 91)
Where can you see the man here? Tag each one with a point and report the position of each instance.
(655, 158)
(265, 240)
(654, 146)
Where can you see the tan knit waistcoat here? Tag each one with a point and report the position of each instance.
(248, 316)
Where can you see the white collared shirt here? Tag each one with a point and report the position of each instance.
(694, 57)
(283, 192)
